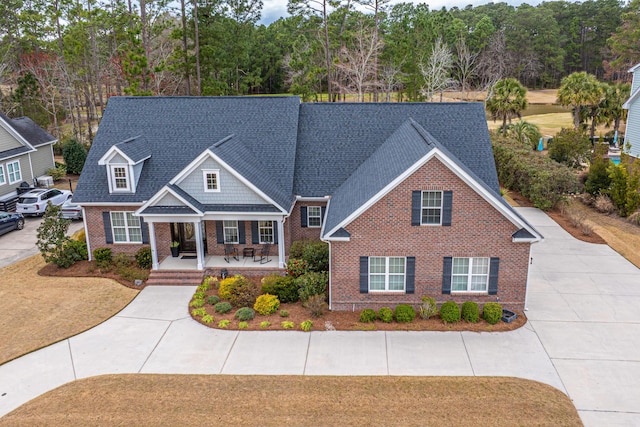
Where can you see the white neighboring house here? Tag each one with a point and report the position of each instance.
(632, 132)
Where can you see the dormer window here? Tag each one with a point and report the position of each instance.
(211, 180)
(120, 178)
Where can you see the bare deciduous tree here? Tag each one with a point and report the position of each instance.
(390, 80)
(494, 63)
(436, 71)
(465, 65)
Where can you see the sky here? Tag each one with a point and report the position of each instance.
(274, 9)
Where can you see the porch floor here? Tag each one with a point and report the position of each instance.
(182, 263)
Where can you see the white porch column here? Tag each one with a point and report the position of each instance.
(152, 241)
(199, 248)
(281, 263)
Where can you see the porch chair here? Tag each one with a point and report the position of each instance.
(230, 251)
(262, 254)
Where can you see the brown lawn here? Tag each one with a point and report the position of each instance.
(36, 311)
(186, 400)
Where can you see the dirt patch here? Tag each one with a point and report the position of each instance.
(37, 311)
(189, 400)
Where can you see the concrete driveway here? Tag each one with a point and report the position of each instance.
(581, 338)
(21, 244)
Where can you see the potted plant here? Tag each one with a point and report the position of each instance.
(175, 248)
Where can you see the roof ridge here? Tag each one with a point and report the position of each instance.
(223, 140)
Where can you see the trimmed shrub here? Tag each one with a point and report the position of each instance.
(265, 324)
(368, 315)
(316, 255)
(284, 313)
(598, 177)
(385, 314)
(243, 292)
(296, 267)
(222, 307)
(284, 287)
(492, 312)
(288, 324)
(103, 257)
(198, 312)
(225, 287)
(245, 313)
(57, 173)
(196, 303)
(570, 147)
(316, 305)
(404, 313)
(121, 260)
(470, 311)
(243, 325)
(428, 308)
(207, 318)
(210, 282)
(143, 258)
(266, 304)
(224, 323)
(74, 155)
(312, 283)
(72, 251)
(306, 325)
(213, 300)
(450, 312)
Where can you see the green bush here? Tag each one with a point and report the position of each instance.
(58, 172)
(470, 311)
(316, 305)
(74, 155)
(210, 282)
(570, 147)
(312, 283)
(265, 324)
(296, 267)
(368, 315)
(306, 325)
(266, 304)
(288, 324)
(213, 300)
(196, 303)
(404, 313)
(132, 273)
(121, 260)
(72, 251)
(224, 323)
(284, 313)
(297, 248)
(222, 307)
(284, 287)
(198, 312)
(450, 312)
(428, 308)
(103, 257)
(143, 258)
(245, 313)
(243, 325)
(385, 314)
(624, 189)
(243, 292)
(598, 177)
(316, 255)
(492, 312)
(207, 318)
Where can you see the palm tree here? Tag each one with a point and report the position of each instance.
(578, 90)
(525, 132)
(611, 110)
(508, 100)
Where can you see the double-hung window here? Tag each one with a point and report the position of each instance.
(431, 211)
(470, 275)
(314, 216)
(13, 169)
(230, 231)
(120, 178)
(387, 273)
(211, 180)
(265, 230)
(3, 180)
(125, 227)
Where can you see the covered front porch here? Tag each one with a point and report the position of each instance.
(215, 262)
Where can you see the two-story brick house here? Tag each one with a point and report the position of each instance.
(406, 195)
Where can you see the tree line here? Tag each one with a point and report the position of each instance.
(62, 59)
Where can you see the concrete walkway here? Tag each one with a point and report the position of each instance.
(582, 338)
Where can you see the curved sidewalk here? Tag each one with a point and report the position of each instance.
(582, 338)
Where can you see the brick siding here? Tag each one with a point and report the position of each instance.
(93, 215)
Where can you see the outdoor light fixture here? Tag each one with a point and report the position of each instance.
(224, 273)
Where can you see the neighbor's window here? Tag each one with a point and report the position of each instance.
(265, 229)
(13, 170)
(211, 180)
(431, 208)
(387, 273)
(230, 231)
(470, 275)
(314, 216)
(2, 178)
(125, 227)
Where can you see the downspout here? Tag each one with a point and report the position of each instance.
(86, 233)
(328, 199)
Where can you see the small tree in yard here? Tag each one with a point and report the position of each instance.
(52, 236)
(74, 155)
(570, 147)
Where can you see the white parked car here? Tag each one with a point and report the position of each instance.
(70, 210)
(35, 201)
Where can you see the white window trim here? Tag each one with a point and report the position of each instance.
(126, 228)
(224, 229)
(215, 172)
(422, 208)
(3, 179)
(16, 162)
(112, 178)
(309, 216)
(387, 274)
(260, 228)
(470, 275)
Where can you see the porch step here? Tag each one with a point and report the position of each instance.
(175, 278)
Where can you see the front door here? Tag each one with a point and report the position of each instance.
(185, 233)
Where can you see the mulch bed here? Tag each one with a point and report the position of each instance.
(86, 269)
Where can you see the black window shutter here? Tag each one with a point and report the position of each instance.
(106, 221)
(144, 229)
(323, 210)
(241, 233)
(219, 232)
(303, 216)
(411, 274)
(364, 275)
(416, 208)
(275, 232)
(447, 266)
(447, 202)
(255, 237)
(494, 267)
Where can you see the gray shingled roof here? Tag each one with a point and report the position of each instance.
(14, 152)
(335, 138)
(168, 210)
(135, 148)
(29, 130)
(178, 129)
